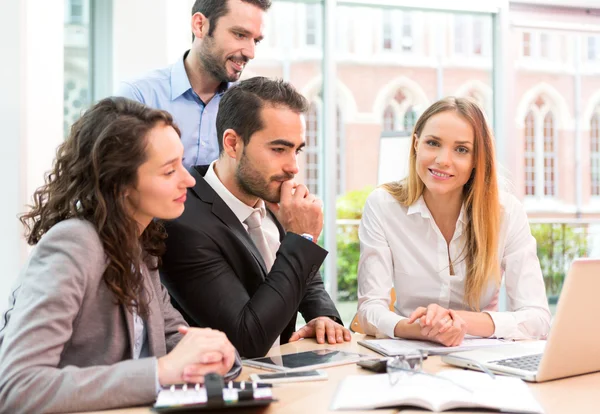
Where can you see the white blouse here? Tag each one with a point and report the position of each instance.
(404, 248)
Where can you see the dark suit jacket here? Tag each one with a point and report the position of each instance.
(217, 278)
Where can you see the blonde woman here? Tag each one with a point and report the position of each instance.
(445, 236)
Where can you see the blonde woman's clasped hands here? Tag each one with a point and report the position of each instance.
(439, 324)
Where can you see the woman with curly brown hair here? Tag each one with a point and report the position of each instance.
(90, 327)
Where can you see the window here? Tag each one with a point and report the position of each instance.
(344, 32)
(77, 93)
(389, 119)
(397, 31)
(312, 24)
(544, 45)
(74, 12)
(477, 37)
(540, 45)
(471, 35)
(399, 115)
(595, 154)
(541, 155)
(407, 35)
(549, 156)
(460, 35)
(529, 155)
(410, 119)
(526, 44)
(313, 150)
(593, 48)
(387, 31)
(341, 133)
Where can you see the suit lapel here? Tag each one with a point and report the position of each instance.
(130, 329)
(220, 209)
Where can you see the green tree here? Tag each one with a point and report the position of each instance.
(349, 206)
(557, 245)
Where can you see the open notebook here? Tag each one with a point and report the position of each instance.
(444, 391)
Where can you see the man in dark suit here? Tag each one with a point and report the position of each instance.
(243, 256)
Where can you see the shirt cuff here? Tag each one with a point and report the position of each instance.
(156, 381)
(235, 370)
(504, 325)
(388, 324)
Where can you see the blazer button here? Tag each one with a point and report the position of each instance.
(315, 268)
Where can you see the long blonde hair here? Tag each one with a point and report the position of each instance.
(480, 196)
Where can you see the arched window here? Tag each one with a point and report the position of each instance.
(595, 154)
(529, 154)
(541, 155)
(410, 119)
(314, 149)
(399, 115)
(549, 156)
(389, 119)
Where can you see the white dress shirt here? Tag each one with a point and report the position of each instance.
(242, 211)
(404, 248)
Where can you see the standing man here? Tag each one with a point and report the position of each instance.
(243, 256)
(224, 35)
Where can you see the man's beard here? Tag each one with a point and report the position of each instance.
(252, 183)
(209, 59)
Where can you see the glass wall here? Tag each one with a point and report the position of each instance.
(293, 50)
(392, 62)
(77, 60)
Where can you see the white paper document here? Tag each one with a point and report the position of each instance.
(393, 347)
(444, 391)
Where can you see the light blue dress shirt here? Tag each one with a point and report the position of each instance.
(170, 89)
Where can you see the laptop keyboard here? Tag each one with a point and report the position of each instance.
(527, 363)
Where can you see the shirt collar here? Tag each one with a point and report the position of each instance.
(241, 210)
(180, 83)
(420, 206)
(223, 87)
(462, 217)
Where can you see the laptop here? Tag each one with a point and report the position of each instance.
(573, 342)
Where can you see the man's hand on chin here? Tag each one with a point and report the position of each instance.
(323, 328)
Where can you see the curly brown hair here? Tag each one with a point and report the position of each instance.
(93, 168)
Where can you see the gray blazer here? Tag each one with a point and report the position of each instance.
(66, 345)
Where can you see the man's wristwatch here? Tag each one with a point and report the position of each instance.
(308, 237)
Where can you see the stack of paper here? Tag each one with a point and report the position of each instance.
(392, 347)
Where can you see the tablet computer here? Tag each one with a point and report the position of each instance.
(302, 361)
